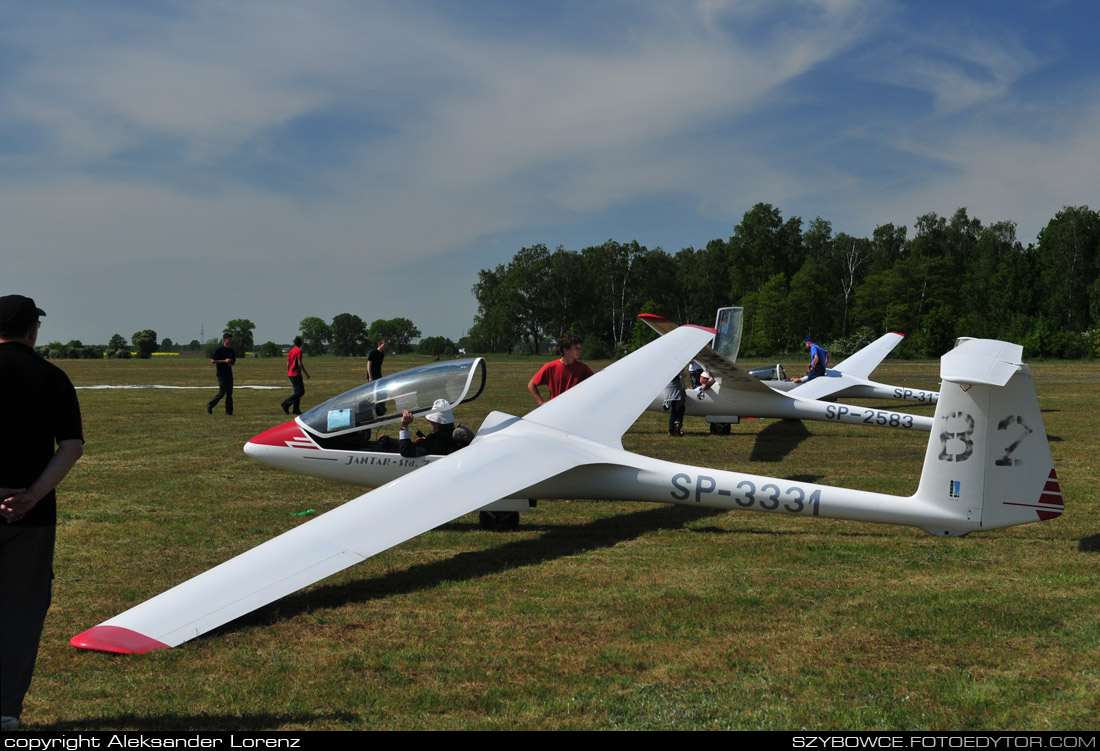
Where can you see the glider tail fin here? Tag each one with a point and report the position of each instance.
(988, 463)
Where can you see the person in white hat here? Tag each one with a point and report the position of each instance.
(440, 441)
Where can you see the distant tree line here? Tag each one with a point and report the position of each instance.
(347, 335)
(954, 277)
(144, 345)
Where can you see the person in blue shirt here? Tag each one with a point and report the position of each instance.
(819, 358)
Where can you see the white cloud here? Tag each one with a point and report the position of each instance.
(956, 66)
(1003, 173)
(461, 130)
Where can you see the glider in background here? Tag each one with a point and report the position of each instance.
(740, 393)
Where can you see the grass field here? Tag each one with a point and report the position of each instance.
(592, 615)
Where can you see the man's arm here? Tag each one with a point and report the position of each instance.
(15, 506)
(405, 444)
(534, 389)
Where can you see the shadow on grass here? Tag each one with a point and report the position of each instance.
(555, 542)
(1090, 544)
(779, 439)
(199, 722)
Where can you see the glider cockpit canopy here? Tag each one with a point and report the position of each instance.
(727, 332)
(382, 401)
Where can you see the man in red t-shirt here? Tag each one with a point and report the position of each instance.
(295, 368)
(561, 375)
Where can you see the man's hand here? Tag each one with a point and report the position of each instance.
(15, 503)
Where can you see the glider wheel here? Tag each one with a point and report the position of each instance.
(720, 428)
(499, 521)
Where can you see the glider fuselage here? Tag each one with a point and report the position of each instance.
(717, 405)
(611, 473)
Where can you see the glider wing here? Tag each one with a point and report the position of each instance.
(492, 467)
(660, 324)
(508, 455)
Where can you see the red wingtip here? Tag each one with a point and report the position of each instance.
(654, 316)
(898, 333)
(116, 639)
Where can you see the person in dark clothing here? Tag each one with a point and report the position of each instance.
(223, 360)
(440, 441)
(675, 398)
(41, 412)
(374, 360)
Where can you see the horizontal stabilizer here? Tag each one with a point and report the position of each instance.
(982, 361)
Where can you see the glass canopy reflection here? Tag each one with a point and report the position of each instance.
(382, 401)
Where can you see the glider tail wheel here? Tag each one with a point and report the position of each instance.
(499, 521)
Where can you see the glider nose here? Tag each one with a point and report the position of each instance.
(289, 435)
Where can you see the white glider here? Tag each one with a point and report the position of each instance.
(851, 378)
(739, 394)
(987, 466)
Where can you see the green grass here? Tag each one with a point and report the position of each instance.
(592, 615)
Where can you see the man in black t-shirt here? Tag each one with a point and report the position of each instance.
(41, 412)
(374, 360)
(223, 360)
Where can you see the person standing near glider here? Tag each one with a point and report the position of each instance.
(675, 396)
(41, 411)
(224, 359)
(295, 369)
(374, 360)
(562, 374)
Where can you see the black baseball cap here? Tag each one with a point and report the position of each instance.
(17, 313)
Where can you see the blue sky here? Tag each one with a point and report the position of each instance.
(168, 165)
